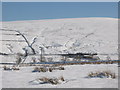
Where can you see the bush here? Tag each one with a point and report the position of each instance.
(8, 68)
(61, 68)
(62, 78)
(36, 69)
(40, 69)
(15, 68)
(53, 81)
(50, 69)
(45, 69)
(57, 68)
(102, 74)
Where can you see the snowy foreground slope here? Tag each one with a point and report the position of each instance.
(75, 75)
(92, 35)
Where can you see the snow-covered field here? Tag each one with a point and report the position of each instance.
(91, 35)
(75, 75)
(58, 36)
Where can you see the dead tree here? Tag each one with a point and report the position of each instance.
(30, 45)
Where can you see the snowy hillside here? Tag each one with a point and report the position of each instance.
(94, 35)
(60, 36)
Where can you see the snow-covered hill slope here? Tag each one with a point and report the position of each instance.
(94, 35)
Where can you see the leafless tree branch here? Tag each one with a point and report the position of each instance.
(29, 45)
(34, 40)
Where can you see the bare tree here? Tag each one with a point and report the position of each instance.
(30, 45)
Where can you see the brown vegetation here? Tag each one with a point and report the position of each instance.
(45, 69)
(53, 81)
(8, 68)
(102, 74)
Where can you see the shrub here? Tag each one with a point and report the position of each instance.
(8, 68)
(53, 81)
(36, 69)
(62, 78)
(40, 69)
(102, 74)
(15, 68)
(50, 69)
(57, 68)
(43, 69)
(61, 68)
